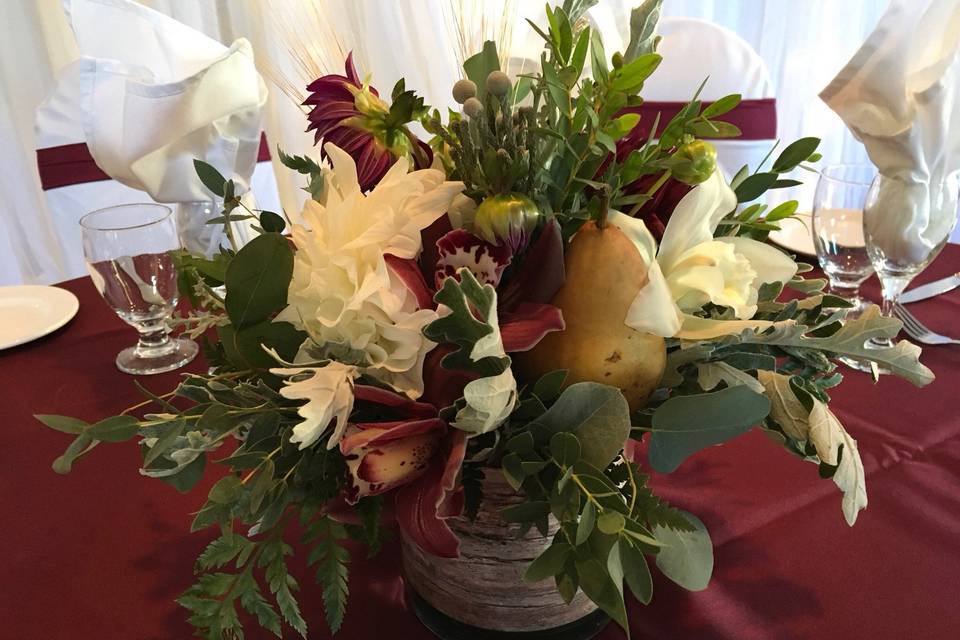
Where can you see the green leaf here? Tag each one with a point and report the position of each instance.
(64, 424)
(596, 583)
(643, 29)
(795, 153)
(630, 77)
(271, 222)
(714, 129)
(478, 66)
(556, 88)
(245, 348)
(611, 522)
(721, 106)
(903, 358)
(225, 490)
(579, 57)
(781, 211)
(212, 179)
(588, 519)
(261, 485)
(597, 414)
(115, 429)
(331, 560)
(253, 603)
(189, 476)
(548, 387)
(300, 164)
(164, 442)
(549, 563)
(80, 445)
(686, 556)
(684, 425)
(525, 511)
(636, 572)
(598, 58)
(754, 186)
(471, 304)
(565, 448)
(257, 280)
(221, 551)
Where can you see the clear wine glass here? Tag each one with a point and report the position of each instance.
(906, 225)
(128, 253)
(838, 234)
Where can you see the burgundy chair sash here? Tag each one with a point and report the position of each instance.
(756, 119)
(72, 164)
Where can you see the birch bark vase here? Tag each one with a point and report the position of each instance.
(482, 593)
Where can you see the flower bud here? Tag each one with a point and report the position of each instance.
(506, 217)
(473, 107)
(498, 83)
(463, 90)
(693, 162)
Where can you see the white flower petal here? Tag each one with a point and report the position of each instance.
(695, 218)
(771, 264)
(653, 309)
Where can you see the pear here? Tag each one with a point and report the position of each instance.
(604, 273)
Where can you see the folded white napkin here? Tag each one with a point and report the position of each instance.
(156, 94)
(900, 96)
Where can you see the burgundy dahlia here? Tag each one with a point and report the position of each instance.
(350, 114)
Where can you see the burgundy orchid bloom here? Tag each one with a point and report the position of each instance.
(343, 112)
(419, 455)
(459, 248)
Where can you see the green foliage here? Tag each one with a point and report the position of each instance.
(257, 280)
(478, 66)
(684, 425)
(212, 179)
(687, 556)
(643, 27)
(470, 304)
(330, 559)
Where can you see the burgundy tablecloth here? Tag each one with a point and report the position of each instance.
(103, 552)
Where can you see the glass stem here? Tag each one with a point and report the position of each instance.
(154, 338)
(893, 287)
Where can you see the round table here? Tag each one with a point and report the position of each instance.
(103, 552)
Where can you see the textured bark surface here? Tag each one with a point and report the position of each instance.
(484, 587)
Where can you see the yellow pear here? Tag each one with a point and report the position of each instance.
(604, 273)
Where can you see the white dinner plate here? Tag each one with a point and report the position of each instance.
(796, 235)
(29, 312)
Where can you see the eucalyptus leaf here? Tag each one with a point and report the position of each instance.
(684, 425)
(636, 572)
(686, 556)
(549, 563)
(596, 583)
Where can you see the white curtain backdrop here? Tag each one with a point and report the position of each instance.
(804, 45)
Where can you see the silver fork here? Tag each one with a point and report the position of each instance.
(919, 331)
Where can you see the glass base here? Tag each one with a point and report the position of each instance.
(143, 362)
(446, 628)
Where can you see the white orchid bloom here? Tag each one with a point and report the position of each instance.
(343, 292)
(691, 268)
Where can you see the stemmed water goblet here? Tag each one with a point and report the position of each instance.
(906, 224)
(838, 234)
(128, 250)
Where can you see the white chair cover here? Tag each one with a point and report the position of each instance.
(694, 50)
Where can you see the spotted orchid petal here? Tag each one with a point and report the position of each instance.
(460, 248)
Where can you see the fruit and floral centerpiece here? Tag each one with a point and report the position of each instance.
(495, 330)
